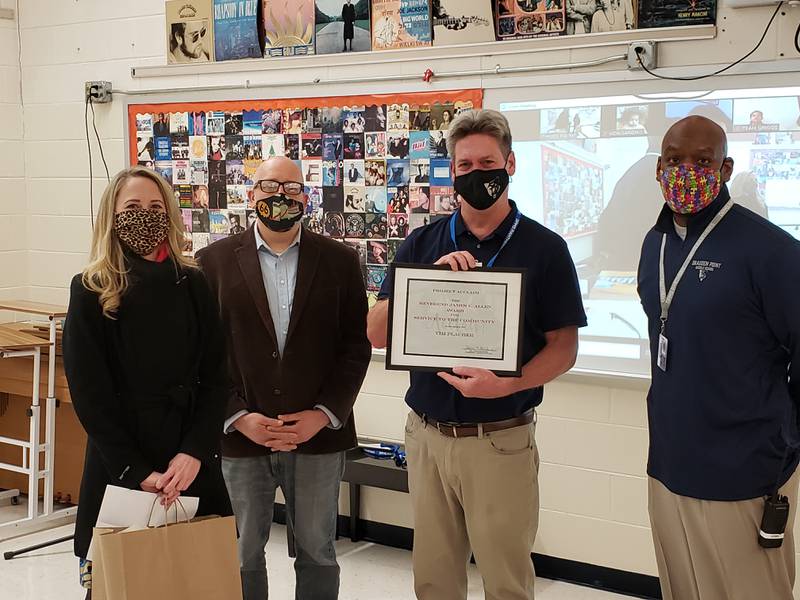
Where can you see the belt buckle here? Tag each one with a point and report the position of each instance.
(452, 426)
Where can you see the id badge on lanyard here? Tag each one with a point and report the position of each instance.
(667, 297)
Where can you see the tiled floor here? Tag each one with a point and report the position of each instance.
(369, 572)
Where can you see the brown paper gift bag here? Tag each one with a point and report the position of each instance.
(195, 560)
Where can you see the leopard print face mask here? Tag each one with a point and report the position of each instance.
(142, 230)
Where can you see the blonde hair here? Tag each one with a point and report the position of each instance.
(107, 273)
(490, 122)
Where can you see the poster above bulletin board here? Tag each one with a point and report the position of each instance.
(375, 167)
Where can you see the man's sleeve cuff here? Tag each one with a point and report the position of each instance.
(335, 422)
(228, 427)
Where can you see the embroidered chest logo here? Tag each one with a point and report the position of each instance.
(705, 267)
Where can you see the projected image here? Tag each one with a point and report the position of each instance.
(631, 120)
(596, 187)
(565, 123)
(573, 193)
(766, 114)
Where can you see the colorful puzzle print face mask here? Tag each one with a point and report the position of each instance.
(688, 189)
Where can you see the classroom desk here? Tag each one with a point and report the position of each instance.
(59, 457)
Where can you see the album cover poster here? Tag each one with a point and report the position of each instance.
(342, 26)
(144, 124)
(332, 146)
(200, 241)
(354, 225)
(461, 22)
(238, 29)
(420, 117)
(145, 149)
(199, 172)
(164, 168)
(236, 197)
(375, 277)
(215, 123)
(271, 121)
(375, 117)
(288, 27)
(672, 13)
(190, 31)
(272, 144)
(398, 24)
(375, 144)
(252, 147)
(181, 172)
(521, 19)
(179, 123)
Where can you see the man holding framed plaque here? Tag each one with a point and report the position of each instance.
(509, 304)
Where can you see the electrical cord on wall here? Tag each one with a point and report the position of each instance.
(90, 104)
(797, 39)
(99, 143)
(89, 147)
(722, 70)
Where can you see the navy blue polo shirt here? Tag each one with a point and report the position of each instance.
(723, 417)
(552, 301)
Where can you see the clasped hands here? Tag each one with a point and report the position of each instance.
(285, 433)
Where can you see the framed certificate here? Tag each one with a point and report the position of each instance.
(440, 319)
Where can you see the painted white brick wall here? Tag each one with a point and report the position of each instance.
(13, 212)
(592, 438)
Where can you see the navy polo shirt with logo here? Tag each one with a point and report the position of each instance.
(723, 417)
(552, 301)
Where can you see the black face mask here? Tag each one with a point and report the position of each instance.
(280, 212)
(481, 189)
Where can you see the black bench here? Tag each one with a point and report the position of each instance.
(361, 469)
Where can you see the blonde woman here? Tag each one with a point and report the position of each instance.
(145, 359)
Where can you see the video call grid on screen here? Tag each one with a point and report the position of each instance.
(586, 169)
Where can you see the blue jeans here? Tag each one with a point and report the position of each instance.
(310, 484)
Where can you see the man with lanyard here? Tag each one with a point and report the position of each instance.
(720, 286)
(472, 458)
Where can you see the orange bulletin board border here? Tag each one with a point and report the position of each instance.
(438, 97)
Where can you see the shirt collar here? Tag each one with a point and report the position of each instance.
(501, 230)
(260, 243)
(696, 222)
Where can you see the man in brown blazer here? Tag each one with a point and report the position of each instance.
(294, 307)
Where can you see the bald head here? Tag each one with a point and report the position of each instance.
(697, 141)
(279, 168)
(697, 130)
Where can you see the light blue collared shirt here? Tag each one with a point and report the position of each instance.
(279, 272)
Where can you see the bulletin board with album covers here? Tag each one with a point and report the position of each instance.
(374, 167)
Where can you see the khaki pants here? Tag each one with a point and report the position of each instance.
(708, 550)
(478, 495)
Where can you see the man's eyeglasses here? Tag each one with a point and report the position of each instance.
(268, 186)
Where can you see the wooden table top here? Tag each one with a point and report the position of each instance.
(13, 339)
(34, 308)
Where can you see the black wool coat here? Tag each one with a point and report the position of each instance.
(147, 385)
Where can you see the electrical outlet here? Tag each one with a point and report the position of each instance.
(98, 91)
(644, 51)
